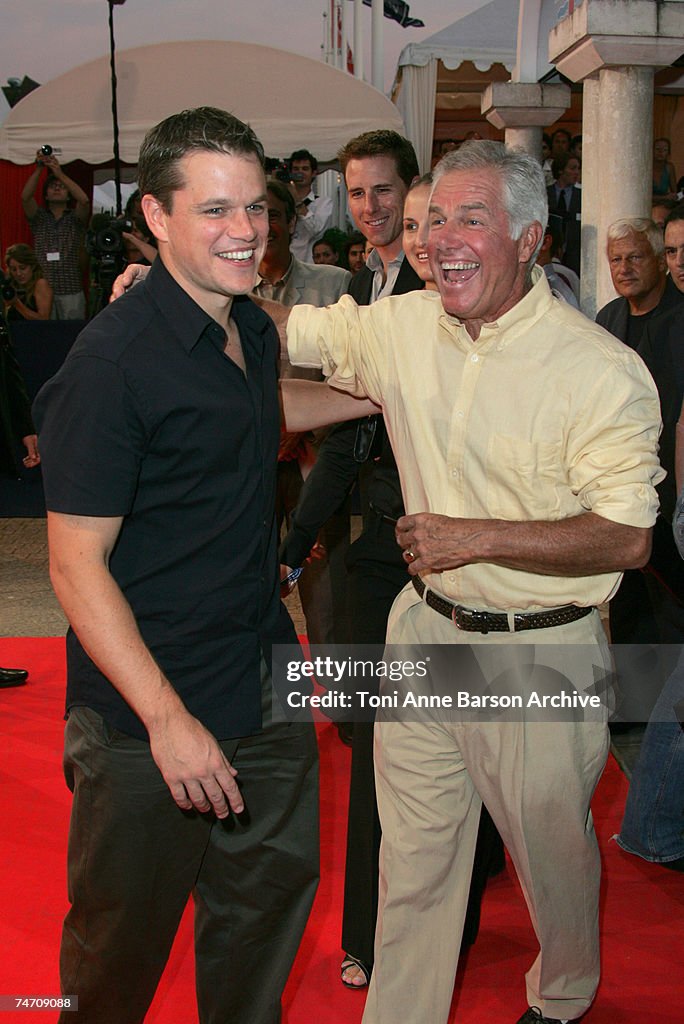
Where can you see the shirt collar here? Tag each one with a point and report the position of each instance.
(515, 322)
(374, 263)
(188, 321)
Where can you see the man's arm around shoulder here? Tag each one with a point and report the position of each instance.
(187, 755)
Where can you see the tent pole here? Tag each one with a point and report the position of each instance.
(378, 70)
(358, 39)
(115, 117)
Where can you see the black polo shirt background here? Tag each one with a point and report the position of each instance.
(148, 419)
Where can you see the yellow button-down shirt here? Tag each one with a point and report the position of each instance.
(545, 416)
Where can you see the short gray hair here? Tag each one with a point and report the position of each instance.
(524, 186)
(627, 226)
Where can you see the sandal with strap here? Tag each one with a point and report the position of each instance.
(353, 961)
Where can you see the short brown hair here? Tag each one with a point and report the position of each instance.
(202, 128)
(382, 143)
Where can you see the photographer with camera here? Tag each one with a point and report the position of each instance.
(58, 232)
(112, 243)
(139, 243)
(314, 213)
(26, 292)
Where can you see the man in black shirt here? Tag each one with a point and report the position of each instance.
(637, 267)
(634, 249)
(160, 437)
(661, 350)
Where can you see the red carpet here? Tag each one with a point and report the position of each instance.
(643, 937)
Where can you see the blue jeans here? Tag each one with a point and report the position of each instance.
(653, 823)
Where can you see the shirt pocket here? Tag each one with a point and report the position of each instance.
(524, 479)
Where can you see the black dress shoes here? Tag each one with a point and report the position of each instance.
(12, 677)
(533, 1015)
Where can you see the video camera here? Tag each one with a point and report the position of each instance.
(104, 240)
(7, 289)
(105, 245)
(281, 170)
(278, 169)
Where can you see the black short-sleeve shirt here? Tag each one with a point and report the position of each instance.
(148, 419)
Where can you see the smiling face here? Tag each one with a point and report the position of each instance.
(637, 273)
(214, 235)
(414, 240)
(376, 200)
(480, 271)
(674, 252)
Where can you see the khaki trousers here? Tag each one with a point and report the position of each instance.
(537, 780)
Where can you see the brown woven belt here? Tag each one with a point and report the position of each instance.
(472, 621)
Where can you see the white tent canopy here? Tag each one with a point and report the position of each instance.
(486, 36)
(489, 35)
(290, 101)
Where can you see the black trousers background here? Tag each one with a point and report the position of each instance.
(376, 574)
(322, 584)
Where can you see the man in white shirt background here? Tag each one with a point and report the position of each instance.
(314, 213)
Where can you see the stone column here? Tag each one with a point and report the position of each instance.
(529, 139)
(524, 109)
(625, 128)
(593, 251)
(614, 47)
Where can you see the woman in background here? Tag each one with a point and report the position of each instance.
(664, 177)
(33, 299)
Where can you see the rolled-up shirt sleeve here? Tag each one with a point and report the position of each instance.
(347, 341)
(613, 465)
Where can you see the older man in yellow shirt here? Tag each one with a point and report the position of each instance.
(526, 441)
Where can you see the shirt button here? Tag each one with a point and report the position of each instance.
(459, 414)
(454, 472)
(475, 359)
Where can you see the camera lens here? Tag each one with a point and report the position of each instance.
(46, 150)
